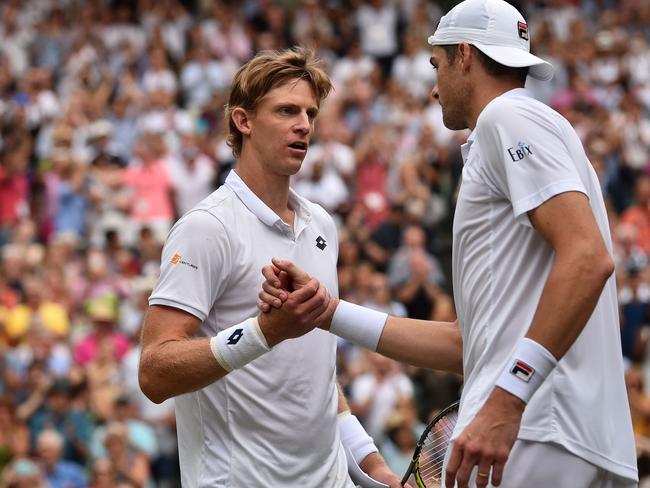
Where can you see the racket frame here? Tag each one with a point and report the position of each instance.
(413, 466)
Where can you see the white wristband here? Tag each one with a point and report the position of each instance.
(238, 345)
(357, 324)
(354, 437)
(527, 369)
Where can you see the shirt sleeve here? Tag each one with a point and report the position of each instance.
(195, 265)
(527, 158)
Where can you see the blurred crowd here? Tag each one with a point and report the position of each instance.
(111, 127)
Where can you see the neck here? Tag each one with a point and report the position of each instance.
(490, 88)
(272, 189)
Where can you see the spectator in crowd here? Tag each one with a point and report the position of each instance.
(23, 473)
(73, 425)
(129, 465)
(14, 434)
(102, 474)
(58, 472)
(376, 393)
(415, 274)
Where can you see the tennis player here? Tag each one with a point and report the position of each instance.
(253, 409)
(538, 335)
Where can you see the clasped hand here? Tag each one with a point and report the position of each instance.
(294, 303)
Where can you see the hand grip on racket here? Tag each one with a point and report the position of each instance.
(429, 455)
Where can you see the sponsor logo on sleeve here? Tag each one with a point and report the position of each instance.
(522, 370)
(522, 28)
(520, 151)
(178, 259)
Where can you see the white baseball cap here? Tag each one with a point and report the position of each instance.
(497, 29)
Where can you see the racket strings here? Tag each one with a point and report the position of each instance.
(432, 455)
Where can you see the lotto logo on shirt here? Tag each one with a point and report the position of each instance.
(522, 371)
(520, 151)
(175, 259)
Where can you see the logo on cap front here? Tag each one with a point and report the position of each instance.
(522, 27)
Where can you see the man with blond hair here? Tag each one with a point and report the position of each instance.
(252, 408)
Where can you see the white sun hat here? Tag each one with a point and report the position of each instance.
(497, 29)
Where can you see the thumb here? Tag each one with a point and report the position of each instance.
(298, 276)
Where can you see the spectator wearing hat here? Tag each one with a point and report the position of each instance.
(102, 312)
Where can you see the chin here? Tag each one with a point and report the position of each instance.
(453, 123)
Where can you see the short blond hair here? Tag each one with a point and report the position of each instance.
(266, 71)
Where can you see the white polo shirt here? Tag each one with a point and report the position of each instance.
(273, 422)
(521, 154)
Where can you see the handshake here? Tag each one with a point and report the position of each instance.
(292, 302)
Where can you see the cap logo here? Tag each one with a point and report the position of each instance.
(522, 27)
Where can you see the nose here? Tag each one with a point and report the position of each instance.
(434, 92)
(303, 123)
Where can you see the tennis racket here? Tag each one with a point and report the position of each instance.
(426, 465)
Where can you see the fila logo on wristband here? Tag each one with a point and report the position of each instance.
(235, 336)
(522, 370)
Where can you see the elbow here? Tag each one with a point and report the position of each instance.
(592, 263)
(604, 267)
(149, 385)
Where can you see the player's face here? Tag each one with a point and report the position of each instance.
(449, 90)
(282, 126)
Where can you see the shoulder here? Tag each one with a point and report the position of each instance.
(519, 113)
(212, 212)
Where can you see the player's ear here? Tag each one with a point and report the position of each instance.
(242, 120)
(465, 54)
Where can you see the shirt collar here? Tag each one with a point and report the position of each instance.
(262, 211)
(464, 148)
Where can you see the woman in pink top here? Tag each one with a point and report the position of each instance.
(150, 197)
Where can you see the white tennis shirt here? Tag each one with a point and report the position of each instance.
(273, 422)
(521, 154)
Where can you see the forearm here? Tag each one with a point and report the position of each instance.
(422, 343)
(176, 367)
(568, 299)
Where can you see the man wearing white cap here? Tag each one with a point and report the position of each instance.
(537, 338)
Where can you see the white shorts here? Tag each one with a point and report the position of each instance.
(545, 465)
